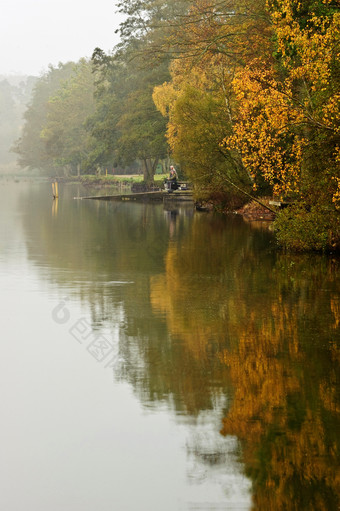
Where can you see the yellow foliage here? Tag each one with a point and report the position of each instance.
(263, 132)
(274, 114)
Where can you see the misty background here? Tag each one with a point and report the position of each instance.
(36, 35)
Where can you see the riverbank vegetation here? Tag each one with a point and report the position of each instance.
(243, 96)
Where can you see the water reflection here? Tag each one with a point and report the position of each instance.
(285, 372)
(275, 324)
(216, 325)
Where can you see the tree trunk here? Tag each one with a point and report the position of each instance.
(154, 166)
(66, 171)
(148, 171)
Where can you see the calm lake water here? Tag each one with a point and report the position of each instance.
(158, 359)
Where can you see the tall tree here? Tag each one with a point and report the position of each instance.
(282, 61)
(198, 104)
(127, 125)
(30, 147)
(288, 118)
(67, 142)
(213, 40)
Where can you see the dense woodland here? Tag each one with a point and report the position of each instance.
(239, 94)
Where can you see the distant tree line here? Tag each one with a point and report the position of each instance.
(14, 95)
(242, 95)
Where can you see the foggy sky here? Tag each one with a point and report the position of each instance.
(36, 33)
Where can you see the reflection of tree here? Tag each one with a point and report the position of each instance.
(285, 371)
(197, 292)
(92, 246)
(211, 315)
(274, 323)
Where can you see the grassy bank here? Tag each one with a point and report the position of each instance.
(117, 180)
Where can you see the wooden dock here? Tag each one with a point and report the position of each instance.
(158, 196)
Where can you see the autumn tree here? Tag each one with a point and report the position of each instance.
(213, 40)
(198, 105)
(280, 61)
(288, 107)
(287, 123)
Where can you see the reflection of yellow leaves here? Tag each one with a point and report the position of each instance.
(335, 307)
(163, 300)
(261, 379)
(264, 379)
(329, 397)
(274, 412)
(167, 297)
(160, 299)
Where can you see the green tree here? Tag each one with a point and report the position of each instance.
(67, 142)
(142, 128)
(30, 147)
(126, 124)
(198, 106)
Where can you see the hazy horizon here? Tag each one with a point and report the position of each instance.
(37, 34)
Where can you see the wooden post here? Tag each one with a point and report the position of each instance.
(55, 190)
